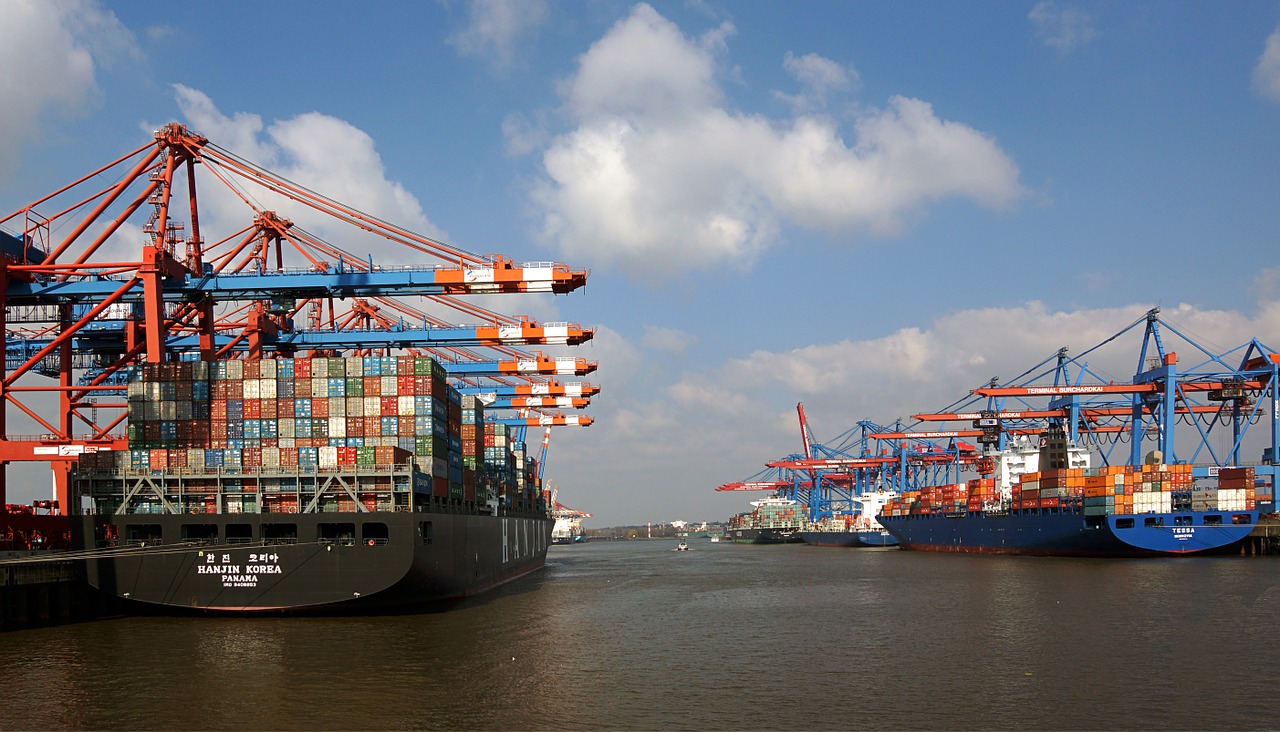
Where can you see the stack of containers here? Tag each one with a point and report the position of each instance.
(981, 493)
(316, 414)
(1242, 485)
(498, 462)
(472, 436)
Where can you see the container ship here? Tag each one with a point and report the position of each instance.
(307, 485)
(774, 520)
(861, 530)
(1149, 510)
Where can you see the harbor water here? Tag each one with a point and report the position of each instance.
(636, 636)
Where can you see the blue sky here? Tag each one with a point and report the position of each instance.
(867, 207)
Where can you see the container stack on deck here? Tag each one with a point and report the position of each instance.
(1101, 491)
(317, 415)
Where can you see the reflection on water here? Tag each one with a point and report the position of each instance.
(635, 636)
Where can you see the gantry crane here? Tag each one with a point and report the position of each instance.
(96, 281)
(1218, 395)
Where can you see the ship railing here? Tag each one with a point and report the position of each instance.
(279, 540)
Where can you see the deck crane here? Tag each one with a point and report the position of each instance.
(85, 309)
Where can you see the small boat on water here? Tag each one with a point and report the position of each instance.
(683, 546)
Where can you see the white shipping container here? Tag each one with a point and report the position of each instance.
(235, 370)
(267, 389)
(338, 407)
(372, 406)
(320, 387)
(287, 428)
(388, 386)
(355, 366)
(267, 370)
(337, 426)
(328, 457)
(404, 405)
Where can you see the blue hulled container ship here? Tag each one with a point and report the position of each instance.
(1147, 510)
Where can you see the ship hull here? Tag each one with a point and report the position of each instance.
(861, 538)
(1065, 532)
(334, 562)
(764, 536)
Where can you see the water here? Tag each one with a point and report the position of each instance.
(637, 636)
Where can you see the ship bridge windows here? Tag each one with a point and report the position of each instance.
(142, 534)
(1213, 520)
(425, 531)
(239, 533)
(374, 533)
(279, 533)
(341, 534)
(1153, 521)
(200, 533)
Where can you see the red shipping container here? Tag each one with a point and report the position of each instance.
(347, 455)
(404, 384)
(235, 390)
(252, 457)
(218, 409)
(406, 427)
(269, 408)
(372, 386)
(390, 406)
(302, 368)
(440, 486)
(319, 408)
(404, 365)
(253, 409)
(252, 369)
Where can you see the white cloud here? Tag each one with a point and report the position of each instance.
(323, 154)
(1062, 28)
(658, 173)
(818, 77)
(1266, 75)
(495, 28)
(51, 52)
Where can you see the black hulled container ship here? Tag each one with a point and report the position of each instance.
(773, 520)
(308, 485)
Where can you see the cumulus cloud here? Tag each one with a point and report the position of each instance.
(320, 152)
(1062, 28)
(495, 27)
(658, 172)
(51, 51)
(1266, 75)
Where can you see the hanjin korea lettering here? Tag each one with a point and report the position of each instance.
(240, 575)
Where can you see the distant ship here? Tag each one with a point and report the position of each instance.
(860, 530)
(567, 530)
(775, 520)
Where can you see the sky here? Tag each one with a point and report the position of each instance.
(869, 208)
